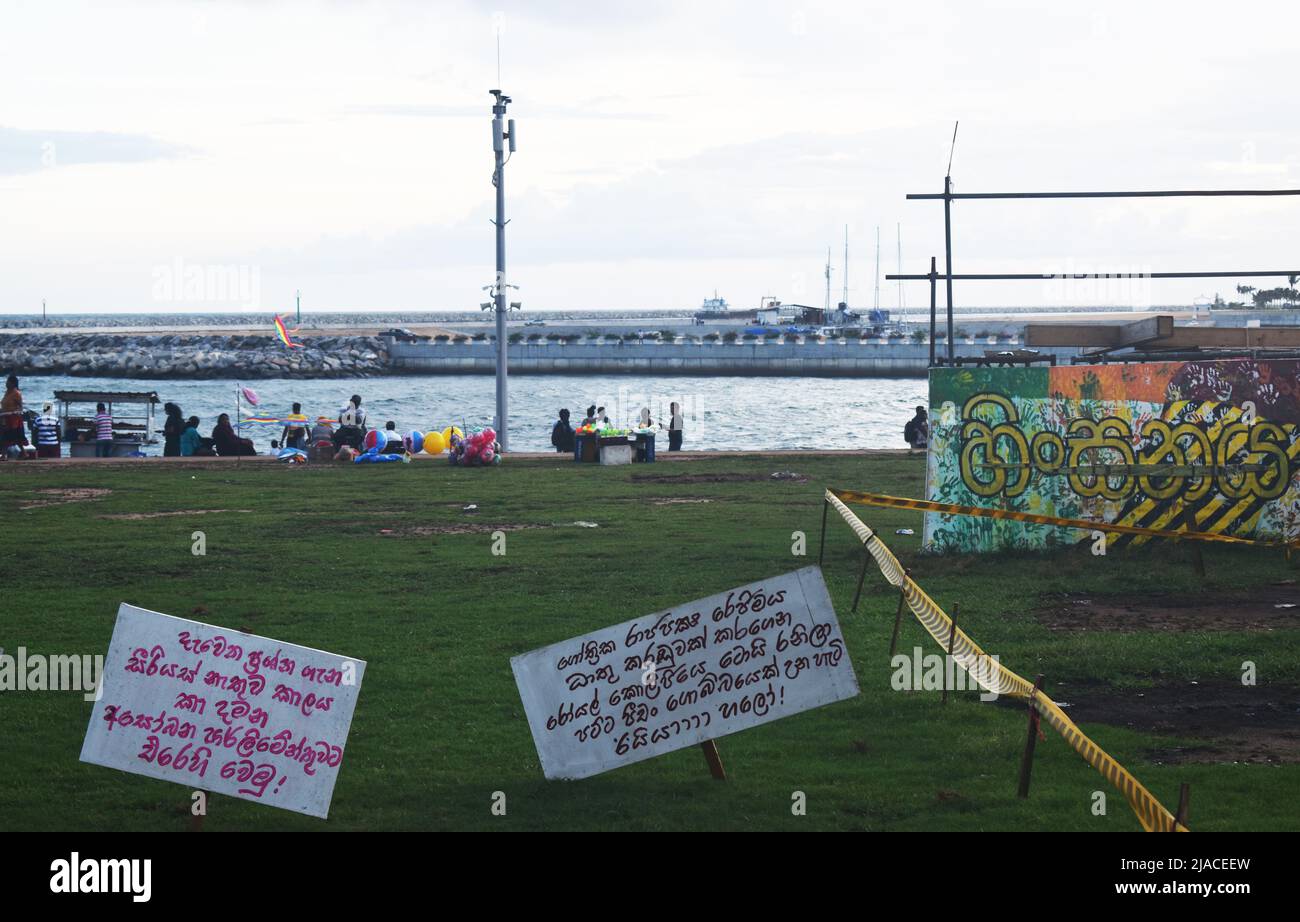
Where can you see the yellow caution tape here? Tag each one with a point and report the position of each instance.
(899, 502)
(996, 678)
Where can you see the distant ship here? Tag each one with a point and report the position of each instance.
(714, 305)
(716, 308)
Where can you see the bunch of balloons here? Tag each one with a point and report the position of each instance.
(481, 448)
(432, 442)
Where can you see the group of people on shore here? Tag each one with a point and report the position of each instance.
(181, 436)
(564, 436)
(46, 429)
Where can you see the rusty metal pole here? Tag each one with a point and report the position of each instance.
(1027, 758)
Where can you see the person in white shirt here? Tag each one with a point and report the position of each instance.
(352, 424)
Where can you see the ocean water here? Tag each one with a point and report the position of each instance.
(721, 412)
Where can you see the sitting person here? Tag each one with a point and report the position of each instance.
(352, 424)
(323, 431)
(322, 439)
(191, 443)
(389, 441)
(227, 442)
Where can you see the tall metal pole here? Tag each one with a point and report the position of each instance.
(297, 308)
(947, 246)
(499, 135)
(934, 275)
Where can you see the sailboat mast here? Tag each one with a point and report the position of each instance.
(877, 303)
(900, 271)
(846, 266)
(828, 278)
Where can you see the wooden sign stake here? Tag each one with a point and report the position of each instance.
(1184, 804)
(1027, 759)
(952, 639)
(715, 761)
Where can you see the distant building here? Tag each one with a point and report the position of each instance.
(775, 313)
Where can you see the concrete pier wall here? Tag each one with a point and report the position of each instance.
(870, 359)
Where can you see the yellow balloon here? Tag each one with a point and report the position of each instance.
(434, 444)
(447, 433)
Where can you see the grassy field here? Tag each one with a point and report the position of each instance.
(383, 564)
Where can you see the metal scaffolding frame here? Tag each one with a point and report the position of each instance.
(948, 197)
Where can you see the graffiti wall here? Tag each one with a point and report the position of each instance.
(1213, 444)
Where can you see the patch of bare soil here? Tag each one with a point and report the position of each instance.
(457, 528)
(678, 501)
(134, 516)
(785, 476)
(1264, 608)
(60, 496)
(1238, 723)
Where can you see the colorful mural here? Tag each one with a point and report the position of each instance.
(1210, 445)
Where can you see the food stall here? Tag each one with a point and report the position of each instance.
(133, 420)
(613, 446)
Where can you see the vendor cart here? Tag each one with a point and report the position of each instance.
(133, 427)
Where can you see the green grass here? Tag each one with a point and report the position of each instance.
(439, 726)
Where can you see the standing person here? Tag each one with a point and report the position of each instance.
(227, 442)
(295, 430)
(917, 431)
(562, 434)
(590, 418)
(103, 432)
(602, 420)
(676, 423)
(47, 433)
(11, 416)
(173, 428)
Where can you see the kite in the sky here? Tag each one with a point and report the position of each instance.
(285, 333)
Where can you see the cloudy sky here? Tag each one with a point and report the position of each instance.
(666, 149)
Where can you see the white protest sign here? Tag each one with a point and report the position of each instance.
(223, 711)
(679, 677)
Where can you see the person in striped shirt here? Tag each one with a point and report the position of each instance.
(103, 432)
(46, 430)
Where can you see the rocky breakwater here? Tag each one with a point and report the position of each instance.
(191, 356)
